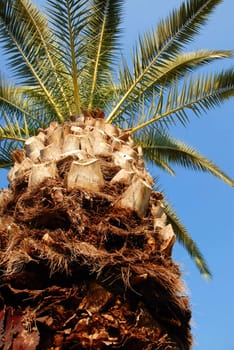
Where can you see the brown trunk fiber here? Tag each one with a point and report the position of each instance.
(86, 248)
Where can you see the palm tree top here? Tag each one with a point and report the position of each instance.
(68, 62)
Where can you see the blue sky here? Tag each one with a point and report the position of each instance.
(205, 204)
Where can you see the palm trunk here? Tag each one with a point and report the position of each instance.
(86, 248)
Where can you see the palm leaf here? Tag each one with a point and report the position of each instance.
(12, 101)
(101, 45)
(21, 112)
(185, 239)
(166, 42)
(12, 131)
(54, 63)
(28, 42)
(68, 19)
(163, 75)
(6, 149)
(198, 94)
(161, 149)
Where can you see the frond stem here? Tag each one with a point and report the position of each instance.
(97, 58)
(74, 67)
(5, 137)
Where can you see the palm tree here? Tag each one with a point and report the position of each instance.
(85, 236)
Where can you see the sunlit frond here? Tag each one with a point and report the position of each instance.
(163, 75)
(28, 43)
(68, 18)
(21, 112)
(185, 239)
(102, 44)
(166, 42)
(12, 101)
(161, 149)
(197, 94)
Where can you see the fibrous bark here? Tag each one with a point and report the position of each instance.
(86, 247)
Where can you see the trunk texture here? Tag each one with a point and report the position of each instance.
(86, 248)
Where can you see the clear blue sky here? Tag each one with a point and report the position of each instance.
(205, 204)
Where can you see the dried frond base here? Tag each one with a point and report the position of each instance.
(80, 271)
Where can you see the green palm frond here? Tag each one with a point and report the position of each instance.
(185, 239)
(21, 114)
(6, 149)
(44, 39)
(101, 38)
(161, 149)
(161, 76)
(68, 18)
(12, 131)
(12, 101)
(197, 94)
(165, 43)
(30, 48)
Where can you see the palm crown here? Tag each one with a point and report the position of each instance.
(64, 66)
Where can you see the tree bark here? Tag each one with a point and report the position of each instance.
(86, 247)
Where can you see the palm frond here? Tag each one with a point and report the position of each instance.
(12, 100)
(186, 240)
(21, 112)
(166, 42)
(53, 62)
(161, 149)
(101, 37)
(30, 49)
(197, 94)
(6, 149)
(162, 75)
(68, 18)
(12, 129)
